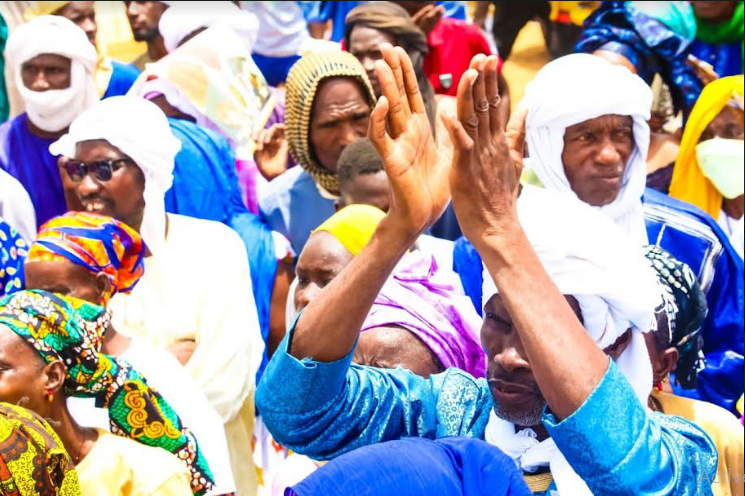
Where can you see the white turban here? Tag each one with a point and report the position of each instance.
(141, 131)
(54, 110)
(589, 258)
(577, 88)
(183, 18)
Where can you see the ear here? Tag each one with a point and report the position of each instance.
(616, 349)
(103, 287)
(668, 362)
(56, 373)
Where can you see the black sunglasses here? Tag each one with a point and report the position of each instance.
(103, 170)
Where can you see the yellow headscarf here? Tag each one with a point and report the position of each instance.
(38, 9)
(689, 183)
(353, 226)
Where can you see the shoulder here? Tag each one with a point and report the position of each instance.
(281, 187)
(200, 235)
(123, 70)
(688, 440)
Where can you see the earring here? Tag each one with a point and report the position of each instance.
(50, 396)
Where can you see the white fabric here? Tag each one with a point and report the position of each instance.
(589, 258)
(167, 376)
(282, 27)
(141, 131)
(54, 110)
(183, 18)
(16, 207)
(577, 88)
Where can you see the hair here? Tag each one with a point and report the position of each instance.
(358, 159)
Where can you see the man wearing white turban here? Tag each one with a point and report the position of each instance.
(53, 64)
(118, 159)
(588, 137)
(544, 348)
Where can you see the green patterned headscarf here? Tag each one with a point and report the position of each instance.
(70, 330)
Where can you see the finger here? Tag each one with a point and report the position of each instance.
(388, 87)
(466, 112)
(377, 131)
(515, 135)
(393, 59)
(492, 96)
(458, 135)
(414, 95)
(481, 105)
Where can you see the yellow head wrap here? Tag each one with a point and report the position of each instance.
(353, 226)
(689, 183)
(38, 9)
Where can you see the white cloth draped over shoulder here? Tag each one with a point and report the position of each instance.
(581, 87)
(589, 258)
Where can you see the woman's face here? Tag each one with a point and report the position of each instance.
(23, 377)
(729, 124)
(66, 278)
(394, 347)
(321, 260)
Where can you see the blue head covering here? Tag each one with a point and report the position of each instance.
(418, 467)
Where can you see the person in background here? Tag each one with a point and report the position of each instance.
(675, 344)
(94, 257)
(112, 78)
(16, 207)
(298, 201)
(143, 19)
(50, 346)
(719, 37)
(32, 456)
(115, 168)
(53, 65)
(509, 19)
(13, 252)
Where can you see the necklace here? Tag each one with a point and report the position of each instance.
(80, 446)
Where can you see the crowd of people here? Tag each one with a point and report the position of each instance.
(315, 248)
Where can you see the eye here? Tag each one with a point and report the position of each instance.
(586, 137)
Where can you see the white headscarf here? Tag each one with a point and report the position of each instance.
(54, 110)
(577, 88)
(141, 131)
(183, 18)
(589, 258)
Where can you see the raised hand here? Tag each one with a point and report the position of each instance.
(428, 17)
(271, 151)
(401, 133)
(486, 169)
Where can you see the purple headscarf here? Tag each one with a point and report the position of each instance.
(421, 299)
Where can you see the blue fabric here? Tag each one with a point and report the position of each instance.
(292, 206)
(324, 410)
(450, 466)
(726, 58)
(455, 10)
(275, 69)
(26, 157)
(694, 238)
(648, 44)
(205, 186)
(13, 254)
(122, 79)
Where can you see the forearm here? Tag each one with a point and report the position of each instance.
(327, 329)
(566, 362)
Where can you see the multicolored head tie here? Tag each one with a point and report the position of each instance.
(97, 243)
(70, 330)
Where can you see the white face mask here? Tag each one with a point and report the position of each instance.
(722, 161)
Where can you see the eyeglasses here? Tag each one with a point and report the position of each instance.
(103, 170)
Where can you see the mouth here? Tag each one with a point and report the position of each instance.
(510, 392)
(96, 206)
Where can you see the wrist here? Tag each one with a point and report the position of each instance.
(396, 233)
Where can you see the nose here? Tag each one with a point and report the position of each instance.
(88, 187)
(368, 64)
(350, 135)
(304, 296)
(511, 360)
(40, 82)
(608, 154)
(90, 28)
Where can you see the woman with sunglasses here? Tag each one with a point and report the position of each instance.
(118, 160)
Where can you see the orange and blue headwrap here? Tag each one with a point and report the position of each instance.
(97, 243)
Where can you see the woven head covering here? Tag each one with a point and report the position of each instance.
(70, 330)
(353, 226)
(302, 83)
(33, 461)
(97, 243)
(681, 313)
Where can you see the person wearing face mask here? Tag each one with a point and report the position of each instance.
(53, 65)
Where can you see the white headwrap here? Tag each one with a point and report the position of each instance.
(141, 131)
(577, 88)
(589, 258)
(183, 18)
(54, 110)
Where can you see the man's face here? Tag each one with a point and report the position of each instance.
(340, 117)
(144, 18)
(364, 43)
(120, 197)
(595, 156)
(83, 15)
(366, 189)
(46, 72)
(515, 392)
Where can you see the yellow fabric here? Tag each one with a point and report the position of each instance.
(578, 11)
(353, 226)
(724, 430)
(688, 183)
(739, 404)
(39, 9)
(104, 71)
(117, 466)
(115, 37)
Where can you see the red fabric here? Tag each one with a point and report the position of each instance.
(452, 45)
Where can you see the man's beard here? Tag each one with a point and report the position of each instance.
(147, 34)
(525, 416)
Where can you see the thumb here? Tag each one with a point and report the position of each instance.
(460, 138)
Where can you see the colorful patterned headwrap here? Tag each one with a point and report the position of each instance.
(680, 315)
(97, 243)
(71, 330)
(33, 461)
(302, 83)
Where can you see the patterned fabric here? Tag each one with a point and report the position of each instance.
(12, 254)
(302, 83)
(71, 330)
(97, 243)
(33, 461)
(721, 33)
